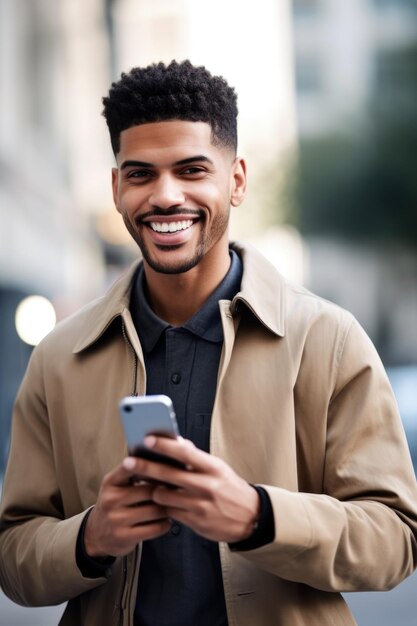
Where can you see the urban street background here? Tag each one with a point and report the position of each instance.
(327, 92)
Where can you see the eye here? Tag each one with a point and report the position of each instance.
(139, 174)
(193, 171)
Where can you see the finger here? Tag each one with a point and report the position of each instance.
(157, 473)
(134, 515)
(183, 450)
(146, 514)
(196, 483)
(113, 497)
(129, 536)
(174, 499)
(121, 475)
(149, 531)
(136, 495)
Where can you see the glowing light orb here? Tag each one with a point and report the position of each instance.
(35, 318)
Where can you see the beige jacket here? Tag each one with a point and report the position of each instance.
(303, 407)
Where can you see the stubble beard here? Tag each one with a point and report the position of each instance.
(205, 243)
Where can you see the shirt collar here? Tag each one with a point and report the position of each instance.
(206, 323)
(148, 325)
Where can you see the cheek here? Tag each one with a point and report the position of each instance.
(130, 202)
(215, 195)
(129, 215)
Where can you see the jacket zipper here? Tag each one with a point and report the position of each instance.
(127, 589)
(122, 605)
(130, 590)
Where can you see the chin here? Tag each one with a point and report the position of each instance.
(175, 268)
(180, 266)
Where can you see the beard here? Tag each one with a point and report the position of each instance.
(207, 239)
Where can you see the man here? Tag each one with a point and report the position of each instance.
(298, 484)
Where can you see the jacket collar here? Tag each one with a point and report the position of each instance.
(100, 313)
(262, 291)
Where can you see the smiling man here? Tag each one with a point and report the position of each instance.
(297, 484)
(174, 187)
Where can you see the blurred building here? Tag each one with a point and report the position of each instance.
(353, 85)
(53, 64)
(53, 67)
(344, 51)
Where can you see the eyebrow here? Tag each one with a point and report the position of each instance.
(193, 159)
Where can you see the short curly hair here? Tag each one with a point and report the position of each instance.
(178, 91)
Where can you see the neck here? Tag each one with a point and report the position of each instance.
(175, 298)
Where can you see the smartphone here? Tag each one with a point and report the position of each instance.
(149, 415)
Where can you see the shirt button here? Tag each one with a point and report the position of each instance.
(175, 529)
(175, 378)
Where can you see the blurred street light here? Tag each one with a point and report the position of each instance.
(35, 318)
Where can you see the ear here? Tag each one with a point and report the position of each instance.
(115, 186)
(238, 190)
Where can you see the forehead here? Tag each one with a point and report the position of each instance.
(166, 136)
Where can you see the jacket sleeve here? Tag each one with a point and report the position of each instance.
(360, 533)
(37, 542)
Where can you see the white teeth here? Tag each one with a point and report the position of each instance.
(170, 227)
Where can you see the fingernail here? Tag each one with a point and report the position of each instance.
(129, 463)
(149, 441)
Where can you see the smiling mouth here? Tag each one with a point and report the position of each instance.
(170, 227)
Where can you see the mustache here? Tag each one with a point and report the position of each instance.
(169, 213)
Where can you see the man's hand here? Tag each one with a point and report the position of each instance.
(211, 498)
(125, 513)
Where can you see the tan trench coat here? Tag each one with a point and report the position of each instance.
(303, 407)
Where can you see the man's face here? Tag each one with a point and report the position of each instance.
(174, 189)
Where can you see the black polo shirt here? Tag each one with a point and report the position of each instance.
(180, 579)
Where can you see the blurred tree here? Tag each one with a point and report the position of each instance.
(365, 187)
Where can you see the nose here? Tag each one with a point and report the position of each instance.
(166, 192)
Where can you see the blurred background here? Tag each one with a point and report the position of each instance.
(328, 123)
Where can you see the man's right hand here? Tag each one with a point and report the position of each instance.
(123, 515)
